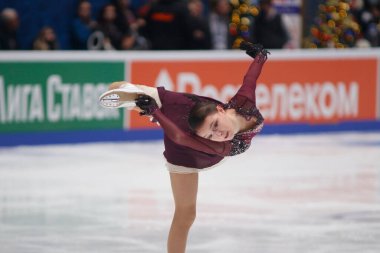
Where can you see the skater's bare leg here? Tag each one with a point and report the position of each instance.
(185, 188)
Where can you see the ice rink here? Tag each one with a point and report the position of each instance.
(315, 193)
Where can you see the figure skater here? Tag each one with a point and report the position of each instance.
(198, 133)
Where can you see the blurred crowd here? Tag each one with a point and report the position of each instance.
(367, 14)
(157, 25)
(170, 25)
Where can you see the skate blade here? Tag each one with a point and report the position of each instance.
(119, 98)
(113, 101)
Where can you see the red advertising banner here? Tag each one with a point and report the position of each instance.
(317, 91)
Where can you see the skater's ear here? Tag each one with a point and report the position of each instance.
(220, 108)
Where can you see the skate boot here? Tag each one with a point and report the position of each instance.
(124, 96)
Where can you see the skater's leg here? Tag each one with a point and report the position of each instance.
(185, 188)
(148, 90)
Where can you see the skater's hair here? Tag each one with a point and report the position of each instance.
(199, 112)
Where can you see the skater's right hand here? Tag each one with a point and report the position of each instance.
(147, 104)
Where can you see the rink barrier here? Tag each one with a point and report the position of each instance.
(48, 98)
(119, 135)
(66, 137)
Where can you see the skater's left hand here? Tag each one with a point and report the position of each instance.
(147, 104)
(254, 50)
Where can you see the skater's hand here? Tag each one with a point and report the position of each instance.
(147, 104)
(254, 50)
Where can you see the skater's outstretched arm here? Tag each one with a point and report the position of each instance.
(249, 82)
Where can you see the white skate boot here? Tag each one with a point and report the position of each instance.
(124, 96)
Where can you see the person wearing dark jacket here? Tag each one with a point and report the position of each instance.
(107, 24)
(219, 20)
(167, 25)
(82, 26)
(200, 29)
(9, 23)
(269, 29)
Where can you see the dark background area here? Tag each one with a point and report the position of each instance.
(59, 14)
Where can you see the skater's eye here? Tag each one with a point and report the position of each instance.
(214, 126)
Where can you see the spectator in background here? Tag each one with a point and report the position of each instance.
(167, 25)
(128, 21)
(46, 40)
(368, 15)
(132, 41)
(126, 16)
(357, 9)
(82, 26)
(108, 26)
(219, 20)
(268, 28)
(143, 7)
(9, 24)
(138, 4)
(200, 30)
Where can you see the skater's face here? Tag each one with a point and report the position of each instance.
(217, 126)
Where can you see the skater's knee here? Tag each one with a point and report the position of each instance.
(185, 216)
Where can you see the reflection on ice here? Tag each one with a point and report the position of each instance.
(303, 193)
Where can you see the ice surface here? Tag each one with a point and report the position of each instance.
(296, 193)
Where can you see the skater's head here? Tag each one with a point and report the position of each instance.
(212, 121)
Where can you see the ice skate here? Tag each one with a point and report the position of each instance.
(124, 96)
